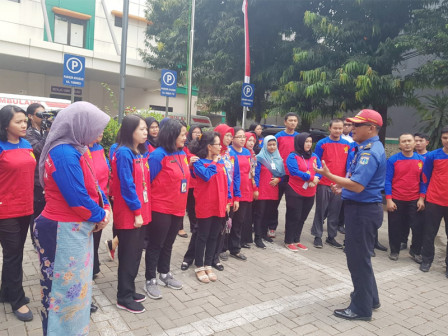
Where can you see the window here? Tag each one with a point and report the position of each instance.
(118, 21)
(18, 1)
(70, 31)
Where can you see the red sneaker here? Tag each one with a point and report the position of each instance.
(291, 247)
(109, 249)
(302, 247)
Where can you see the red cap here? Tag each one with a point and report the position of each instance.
(367, 116)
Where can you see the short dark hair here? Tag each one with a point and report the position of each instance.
(253, 126)
(336, 120)
(199, 148)
(169, 131)
(444, 129)
(236, 129)
(291, 114)
(421, 135)
(6, 114)
(128, 127)
(32, 108)
(406, 133)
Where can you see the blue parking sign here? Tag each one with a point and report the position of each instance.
(247, 95)
(168, 83)
(74, 70)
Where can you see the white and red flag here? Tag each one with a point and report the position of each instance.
(246, 44)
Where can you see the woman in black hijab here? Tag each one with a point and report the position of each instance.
(300, 190)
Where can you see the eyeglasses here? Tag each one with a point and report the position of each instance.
(216, 144)
(154, 127)
(240, 137)
(362, 124)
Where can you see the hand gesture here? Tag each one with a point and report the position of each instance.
(138, 221)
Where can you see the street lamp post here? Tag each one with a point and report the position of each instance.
(190, 62)
(124, 43)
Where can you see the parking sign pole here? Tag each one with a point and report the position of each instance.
(167, 106)
(243, 122)
(124, 44)
(72, 95)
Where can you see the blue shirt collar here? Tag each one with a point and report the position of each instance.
(366, 142)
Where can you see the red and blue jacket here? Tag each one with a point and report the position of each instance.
(101, 166)
(131, 182)
(168, 172)
(301, 173)
(262, 178)
(435, 177)
(403, 177)
(212, 191)
(192, 179)
(335, 154)
(17, 165)
(285, 144)
(244, 168)
(71, 187)
(150, 147)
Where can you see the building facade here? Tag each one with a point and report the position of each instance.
(35, 35)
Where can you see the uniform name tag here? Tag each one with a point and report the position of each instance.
(273, 166)
(145, 196)
(305, 185)
(183, 186)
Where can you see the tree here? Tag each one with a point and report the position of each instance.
(351, 61)
(434, 115)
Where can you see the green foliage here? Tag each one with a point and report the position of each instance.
(434, 115)
(110, 135)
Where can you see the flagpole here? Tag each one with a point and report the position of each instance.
(246, 57)
(190, 62)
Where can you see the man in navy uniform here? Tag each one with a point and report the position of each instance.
(361, 193)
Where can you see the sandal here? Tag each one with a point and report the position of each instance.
(201, 275)
(211, 275)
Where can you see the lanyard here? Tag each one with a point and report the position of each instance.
(179, 164)
(306, 163)
(140, 161)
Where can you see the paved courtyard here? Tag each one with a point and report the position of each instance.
(276, 292)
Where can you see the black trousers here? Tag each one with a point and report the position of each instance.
(222, 244)
(96, 245)
(281, 190)
(434, 215)
(161, 234)
(398, 223)
(13, 233)
(297, 211)
(39, 205)
(191, 211)
(247, 227)
(189, 255)
(129, 256)
(206, 239)
(362, 220)
(238, 221)
(265, 212)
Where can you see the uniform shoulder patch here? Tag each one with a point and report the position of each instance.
(364, 159)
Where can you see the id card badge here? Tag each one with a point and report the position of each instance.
(273, 166)
(145, 196)
(305, 185)
(183, 186)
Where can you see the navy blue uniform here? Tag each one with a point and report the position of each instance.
(363, 217)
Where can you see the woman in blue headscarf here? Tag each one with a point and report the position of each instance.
(268, 174)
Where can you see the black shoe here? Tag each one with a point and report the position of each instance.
(247, 246)
(239, 256)
(25, 317)
(333, 242)
(349, 315)
(218, 266)
(416, 257)
(132, 307)
(393, 256)
(403, 246)
(424, 267)
(318, 242)
(259, 243)
(184, 266)
(341, 229)
(138, 297)
(268, 239)
(93, 308)
(380, 247)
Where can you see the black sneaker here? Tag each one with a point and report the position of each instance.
(393, 256)
(259, 243)
(424, 267)
(268, 239)
(318, 242)
(132, 307)
(416, 257)
(380, 247)
(333, 242)
(403, 246)
(341, 229)
(139, 297)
